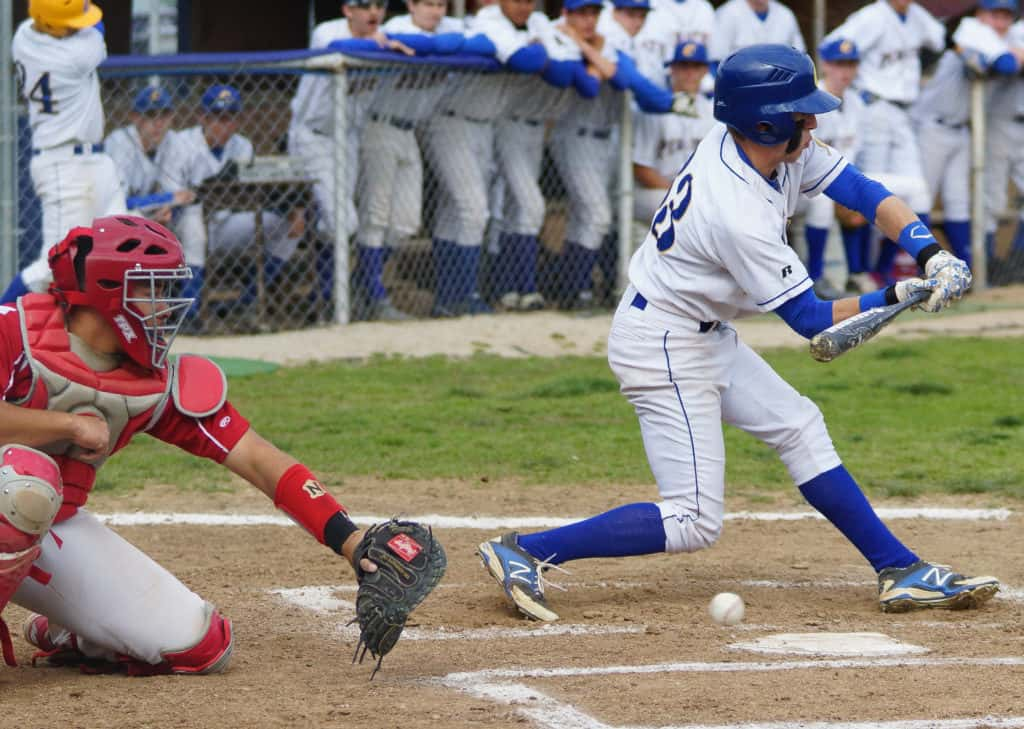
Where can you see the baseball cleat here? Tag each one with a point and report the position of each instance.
(56, 644)
(926, 585)
(519, 574)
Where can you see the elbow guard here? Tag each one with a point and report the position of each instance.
(806, 314)
(528, 59)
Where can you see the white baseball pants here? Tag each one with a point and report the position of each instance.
(946, 159)
(586, 164)
(520, 147)
(73, 189)
(116, 599)
(317, 154)
(461, 153)
(890, 146)
(227, 231)
(391, 184)
(683, 384)
(1004, 161)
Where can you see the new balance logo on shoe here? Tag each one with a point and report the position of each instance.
(937, 576)
(519, 571)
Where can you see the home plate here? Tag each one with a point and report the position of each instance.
(829, 644)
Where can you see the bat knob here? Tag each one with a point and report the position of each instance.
(823, 348)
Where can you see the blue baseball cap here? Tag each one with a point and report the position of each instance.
(689, 52)
(577, 4)
(1010, 5)
(220, 99)
(839, 49)
(642, 4)
(152, 98)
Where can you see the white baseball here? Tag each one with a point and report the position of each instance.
(726, 608)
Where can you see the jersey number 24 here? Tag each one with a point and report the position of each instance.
(671, 211)
(40, 93)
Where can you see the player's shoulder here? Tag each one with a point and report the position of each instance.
(329, 30)
(450, 24)
(783, 10)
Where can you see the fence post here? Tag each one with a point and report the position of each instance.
(979, 255)
(625, 192)
(8, 156)
(341, 201)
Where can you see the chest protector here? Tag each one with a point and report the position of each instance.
(129, 398)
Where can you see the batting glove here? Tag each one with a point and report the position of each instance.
(953, 276)
(684, 104)
(912, 286)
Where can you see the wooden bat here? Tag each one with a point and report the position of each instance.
(853, 332)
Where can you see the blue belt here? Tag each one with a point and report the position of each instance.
(471, 119)
(78, 149)
(527, 122)
(640, 302)
(595, 133)
(403, 124)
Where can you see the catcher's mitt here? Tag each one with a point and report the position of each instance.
(410, 562)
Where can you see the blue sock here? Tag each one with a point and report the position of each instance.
(838, 498)
(990, 245)
(886, 257)
(526, 279)
(816, 240)
(959, 234)
(579, 263)
(444, 264)
(468, 267)
(193, 289)
(865, 247)
(371, 268)
(506, 264)
(324, 273)
(851, 244)
(608, 257)
(623, 532)
(272, 266)
(15, 289)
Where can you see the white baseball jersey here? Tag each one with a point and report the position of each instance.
(1006, 94)
(311, 106)
(666, 141)
(58, 79)
(705, 262)
(738, 26)
(667, 25)
(841, 128)
(140, 172)
(412, 95)
(190, 160)
(889, 46)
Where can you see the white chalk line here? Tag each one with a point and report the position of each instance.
(498, 523)
(546, 712)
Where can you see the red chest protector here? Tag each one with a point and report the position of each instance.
(129, 397)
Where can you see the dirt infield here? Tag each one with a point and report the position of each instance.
(469, 661)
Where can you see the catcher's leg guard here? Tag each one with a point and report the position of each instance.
(30, 495)
(210, 655)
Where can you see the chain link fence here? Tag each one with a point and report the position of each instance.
(315, 188)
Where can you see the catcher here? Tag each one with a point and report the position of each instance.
(84, 368)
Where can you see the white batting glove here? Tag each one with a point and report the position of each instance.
(953, 276)
(910, 287)
(684, 104)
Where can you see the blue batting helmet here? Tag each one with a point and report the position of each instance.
(758, 88)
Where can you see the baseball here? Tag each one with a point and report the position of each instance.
(726, 608)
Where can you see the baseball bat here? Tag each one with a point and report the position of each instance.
(853, 332)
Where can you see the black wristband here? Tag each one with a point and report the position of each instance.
(927, 252)
(337, 529)
(890, 295)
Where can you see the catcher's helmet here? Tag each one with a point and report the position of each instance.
(65, 13)
(125, 267)
(758, 88)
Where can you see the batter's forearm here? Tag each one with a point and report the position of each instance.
(892, 216)
(35, 428)
(845, 308)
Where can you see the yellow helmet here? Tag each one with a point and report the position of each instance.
(64, 13)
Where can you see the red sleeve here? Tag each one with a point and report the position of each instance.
(12, 349)
(211, 437)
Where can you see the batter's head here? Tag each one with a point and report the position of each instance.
(125, 267)
(74, 14)
(758, 88)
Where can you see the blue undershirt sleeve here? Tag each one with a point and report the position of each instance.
(858, 192)
(560, 74)
(421, 44)
(806, 314)
(478, 44)
(136, 202)
(586, 85)
(529, 59)
(1005, 65)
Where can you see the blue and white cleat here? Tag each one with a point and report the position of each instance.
(519, 574)
(926, 585)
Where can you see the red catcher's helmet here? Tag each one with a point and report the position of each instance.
(126, 268)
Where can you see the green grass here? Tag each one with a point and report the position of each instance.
(936, 416)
